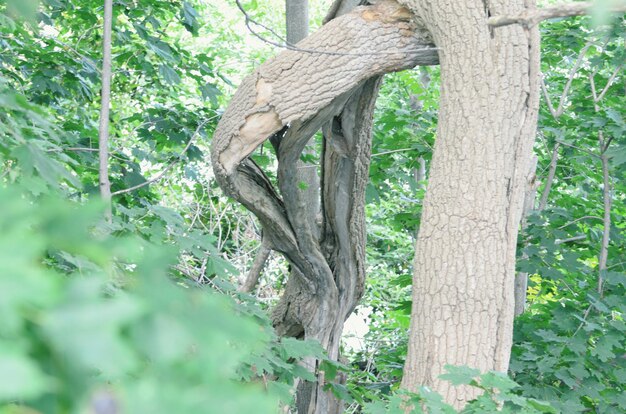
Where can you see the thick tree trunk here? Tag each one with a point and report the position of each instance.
(465, 254)
(331, 82)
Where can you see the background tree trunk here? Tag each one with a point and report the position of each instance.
(464, 266)
(297, 20)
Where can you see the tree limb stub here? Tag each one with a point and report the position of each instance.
(293, 95)
(531, 17)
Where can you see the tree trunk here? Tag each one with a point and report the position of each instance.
(105, 103)
(297, 20)
(330, 82)
(464, 266)
(521, 278)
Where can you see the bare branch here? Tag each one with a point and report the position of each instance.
(169, 166)
(547, 98)
(532, 17)
(553, 164)
(579, 219)
(598, 98)
(559, 111)
(567, 144)
(571, 239)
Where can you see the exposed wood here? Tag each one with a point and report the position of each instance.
(531, 17)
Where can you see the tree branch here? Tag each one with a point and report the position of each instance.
(166, 169)
(559, 111)
(531, 17)
(553, 164)
(571, 239)
(257, 267)
(606, 222)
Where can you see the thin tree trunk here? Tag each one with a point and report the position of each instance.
(257, 267)
(103, 145)
(521, 278)
(606, 221)
(464, 266)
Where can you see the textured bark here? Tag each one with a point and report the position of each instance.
(287, 100)
(257, 267)
(464, 267)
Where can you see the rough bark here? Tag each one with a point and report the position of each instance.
(287, 100)
(464, 266)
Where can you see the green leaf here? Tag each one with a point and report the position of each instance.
(169, 74)
(461, 375)
(211, 92)
(295, 348)
(497, 380)
(21, 378)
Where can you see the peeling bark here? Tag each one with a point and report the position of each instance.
(287, 100)
(257, 267)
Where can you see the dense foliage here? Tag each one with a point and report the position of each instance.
(143, 314)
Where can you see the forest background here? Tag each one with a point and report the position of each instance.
(142, 313)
